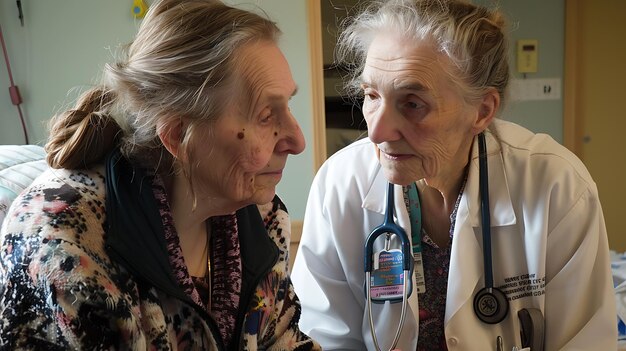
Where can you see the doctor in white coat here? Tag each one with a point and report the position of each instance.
(434, 75)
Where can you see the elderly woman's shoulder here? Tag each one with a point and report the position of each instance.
(539, 150)
(56, 186)
(60, 202)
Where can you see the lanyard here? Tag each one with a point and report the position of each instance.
(415, 217)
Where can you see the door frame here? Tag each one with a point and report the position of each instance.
(572, 120)
(314, 9)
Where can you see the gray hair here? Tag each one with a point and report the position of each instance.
(472, 37)
(181, 64)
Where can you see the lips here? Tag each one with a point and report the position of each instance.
(273, 173)
(394, 156)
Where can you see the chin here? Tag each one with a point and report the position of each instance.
(263, 196)
(397, 178)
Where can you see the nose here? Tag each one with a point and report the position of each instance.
(291, 137)
(383, 125)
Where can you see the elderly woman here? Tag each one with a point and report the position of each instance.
(158, 227)
(527, 252)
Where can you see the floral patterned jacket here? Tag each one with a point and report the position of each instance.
(71, 279)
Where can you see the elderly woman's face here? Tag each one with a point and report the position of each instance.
(415, 114)
(244, 159)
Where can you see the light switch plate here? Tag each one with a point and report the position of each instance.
(535, 89)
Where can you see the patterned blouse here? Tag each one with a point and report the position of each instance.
(432, 303)
(71, 280)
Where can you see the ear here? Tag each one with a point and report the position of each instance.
(487, 110)
(170, 132)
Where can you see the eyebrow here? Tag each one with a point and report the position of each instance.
(277, 97)
(401, 84)
(409, 85)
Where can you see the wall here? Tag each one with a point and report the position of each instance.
(63, 46)
(59, 48)
(544, 21)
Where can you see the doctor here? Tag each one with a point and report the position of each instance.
(434, 77)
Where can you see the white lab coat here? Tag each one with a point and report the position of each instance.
(546, 223)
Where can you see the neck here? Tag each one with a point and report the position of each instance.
(190, 223)
(187, 217)
(438, 196)
(437, 207)
(446, 185)
(442, 195)
(179, 194)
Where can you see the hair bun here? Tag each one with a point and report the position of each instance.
(79, 139)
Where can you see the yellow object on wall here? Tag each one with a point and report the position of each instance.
(527, 56)
(139, 8)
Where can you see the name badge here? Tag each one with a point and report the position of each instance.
(387, 277)
(418, 272)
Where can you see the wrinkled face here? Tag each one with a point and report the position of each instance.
(243, 159)
(420, 123)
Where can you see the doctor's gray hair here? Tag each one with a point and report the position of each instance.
(472, 37)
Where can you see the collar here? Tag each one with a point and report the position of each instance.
(500, 205)
(135, 235)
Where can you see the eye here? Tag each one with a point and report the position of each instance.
(266, 116)
(414, 107)
(369, 94)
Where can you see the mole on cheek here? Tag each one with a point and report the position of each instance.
(240, 135)
(275, 133)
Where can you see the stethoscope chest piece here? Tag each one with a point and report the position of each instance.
(491, 305)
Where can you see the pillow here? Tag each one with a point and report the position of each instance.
(19, 166)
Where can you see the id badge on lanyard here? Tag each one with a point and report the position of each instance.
(388, 271)
(415, 216)
(387, 278)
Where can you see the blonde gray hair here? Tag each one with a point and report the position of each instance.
(181, 64)
(472, 37)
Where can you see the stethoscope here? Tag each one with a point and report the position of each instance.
(490, 304)
(388, 227)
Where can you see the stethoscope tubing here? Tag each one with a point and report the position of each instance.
(485, 211)
(388, 227)
(490, 304)
(396, 337)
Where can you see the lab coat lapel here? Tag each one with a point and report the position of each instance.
(376, 197)
(500, 204)
(466, 274)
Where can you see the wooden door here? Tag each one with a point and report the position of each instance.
(595, 101)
